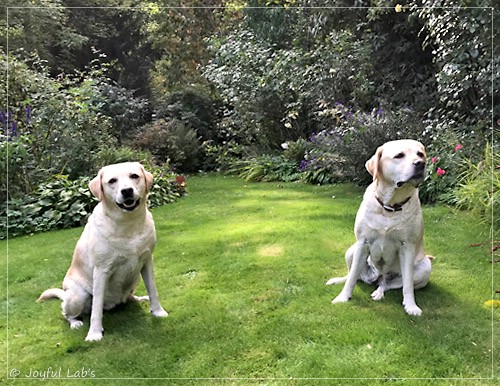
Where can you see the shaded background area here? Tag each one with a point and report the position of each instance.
(280, 90)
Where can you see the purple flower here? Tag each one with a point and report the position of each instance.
(13, 129)
(303, 165)
(28, 114)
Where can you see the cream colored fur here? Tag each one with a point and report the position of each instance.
(389, 227)
(114, 250)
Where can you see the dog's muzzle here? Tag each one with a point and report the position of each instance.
(129, 203)
(418, 176)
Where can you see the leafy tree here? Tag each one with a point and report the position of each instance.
(176, 30)
(461, 40)
(43, 28)
(115, 28)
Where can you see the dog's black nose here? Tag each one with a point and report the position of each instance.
(128, 192)
(419, 165)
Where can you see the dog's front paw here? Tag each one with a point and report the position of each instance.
(93, 336)
(413, 310)
(341, 298)
(160, 313)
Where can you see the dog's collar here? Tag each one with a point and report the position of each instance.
(393, 208)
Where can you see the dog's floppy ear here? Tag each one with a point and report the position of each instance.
(96, 186)
(372, 165)
(148, 177)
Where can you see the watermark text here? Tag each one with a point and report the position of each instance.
(52, 373)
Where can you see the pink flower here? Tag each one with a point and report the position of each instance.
(440, 172)
(458, 147)
(434, 160)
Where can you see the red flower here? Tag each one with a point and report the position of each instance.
(458, 147)
(434, 160)
(440, 172)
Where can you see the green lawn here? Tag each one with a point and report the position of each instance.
(241, 268)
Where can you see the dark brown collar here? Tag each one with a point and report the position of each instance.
(394, 208)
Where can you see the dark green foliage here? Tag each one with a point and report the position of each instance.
(43, 27)
(265, 168)
(341, 153)
(274, 95)
(64, 203)
(125, 111)
(478, 188)
(58, 203)
(242, 78)
(194, 108)
(445, 163)
(464, 54)
(114, 155)
(171, 141)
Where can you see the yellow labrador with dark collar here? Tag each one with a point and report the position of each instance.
(114, 249)
(389, 227)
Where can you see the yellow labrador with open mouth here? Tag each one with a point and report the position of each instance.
(389, 227)
(114, 249)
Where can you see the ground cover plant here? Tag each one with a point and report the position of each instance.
(241, 268)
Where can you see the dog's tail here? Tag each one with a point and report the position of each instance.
(336, 280)
(52, 293)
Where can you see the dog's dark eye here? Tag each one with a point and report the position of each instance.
(112, 181)
(134, 176)
(399, 155)
(420, 154)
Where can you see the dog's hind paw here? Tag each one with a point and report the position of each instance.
(140, 298)
(378, 294)
(336, 280)
(75, 324)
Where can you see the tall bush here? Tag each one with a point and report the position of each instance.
(171, 141)
(274, 94)
(340, 153)
(466, 76)
(58, 121)
(478, 187)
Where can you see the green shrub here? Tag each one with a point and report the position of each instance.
(295, 151)
(14, 171)
(478, 189)
(165, 189)
(125, 111)
(114, 155)
(58, 203)
(64, 203)
(340, 153)
(272, 92)
(171, 141)
(445, 163)
(194, 107)
(55, 126)
(265, 168)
